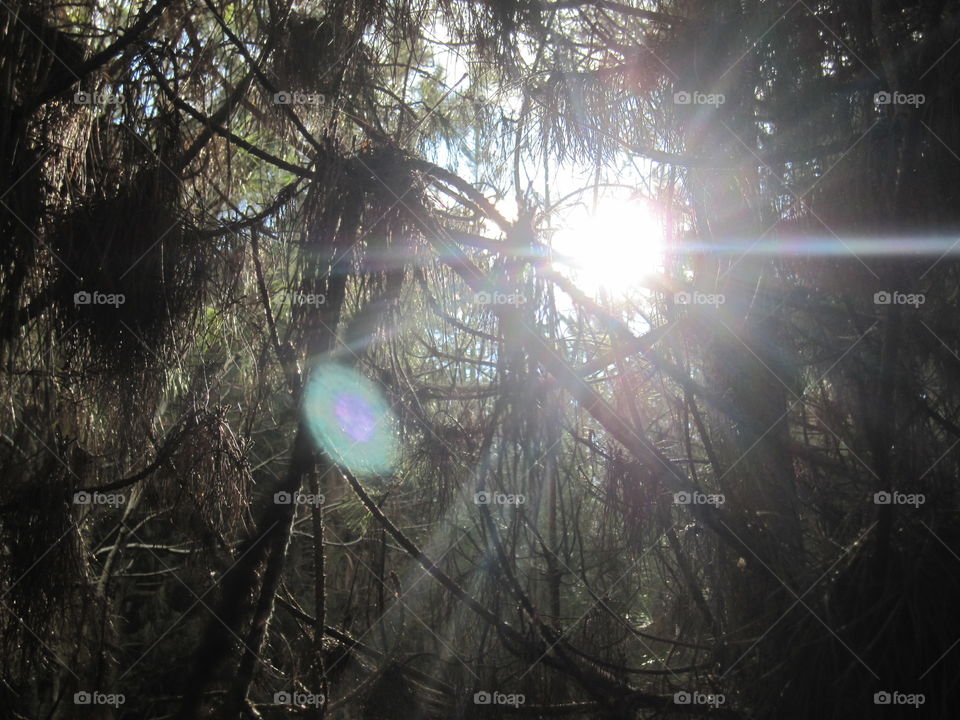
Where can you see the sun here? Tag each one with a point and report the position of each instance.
(609, 249)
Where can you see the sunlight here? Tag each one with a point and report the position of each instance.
(608, 250)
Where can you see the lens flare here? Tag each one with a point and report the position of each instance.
(349, 419)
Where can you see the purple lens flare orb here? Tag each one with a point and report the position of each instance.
(349, 419)
(356, 416)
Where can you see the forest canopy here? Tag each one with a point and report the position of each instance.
(376, 359)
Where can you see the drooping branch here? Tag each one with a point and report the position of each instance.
(67, 77)
(597, 684)
(207, 122)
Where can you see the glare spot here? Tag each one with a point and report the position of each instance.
(611, 248)
(349, 419)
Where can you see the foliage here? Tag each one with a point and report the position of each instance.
(207, 200)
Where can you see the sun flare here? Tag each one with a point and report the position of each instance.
(610, 248)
